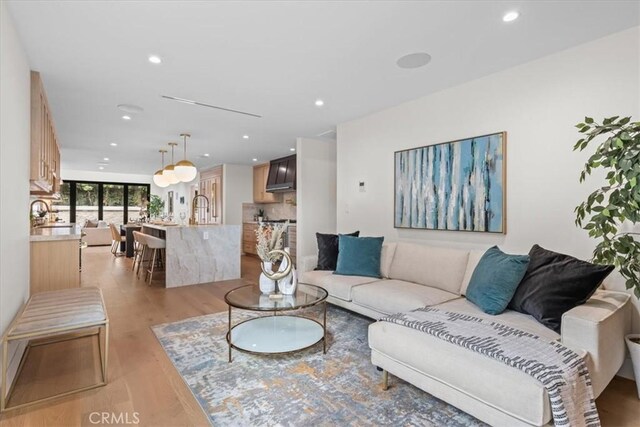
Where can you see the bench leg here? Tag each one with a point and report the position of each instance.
(103, 346)
(385, 380)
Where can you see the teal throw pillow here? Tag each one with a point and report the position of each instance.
(495, 280)
(359, 256)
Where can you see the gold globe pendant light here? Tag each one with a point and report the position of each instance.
(158, 177)
(169, 171)
(184, 169)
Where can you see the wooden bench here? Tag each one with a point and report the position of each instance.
(62, 315)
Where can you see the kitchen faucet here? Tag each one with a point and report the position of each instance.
(192, 220)
(46, 207)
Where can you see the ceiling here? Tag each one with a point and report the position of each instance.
(269, 58)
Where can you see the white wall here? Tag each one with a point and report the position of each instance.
(14, 176)
(237, 188)
(315, 192)
(537, 104)
(100, 176)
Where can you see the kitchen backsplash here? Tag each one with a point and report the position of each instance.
(271, 210)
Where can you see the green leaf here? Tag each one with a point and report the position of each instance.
(588, 120)
(606, 213)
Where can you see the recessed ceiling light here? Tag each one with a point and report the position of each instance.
(319, 102)
(245, 136)
(206, 154)
(155, 59)
(414, 60)
(126, 117)
(292, 149)
(510, 16)
(113, 144)
(255, 160)
(101, 167)
(106, 159)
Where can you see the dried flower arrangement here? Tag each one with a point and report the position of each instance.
(269, 238)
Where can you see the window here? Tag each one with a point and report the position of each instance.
(62, 207)
(113, 202)
(87, 206)
(137, 201)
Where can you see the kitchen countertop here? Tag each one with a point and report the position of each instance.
(291, 224)
(55, 233)
(165, 227)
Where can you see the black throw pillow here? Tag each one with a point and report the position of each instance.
(555, 283)
(328, 250)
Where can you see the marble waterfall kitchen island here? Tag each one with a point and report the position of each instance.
(199, 253)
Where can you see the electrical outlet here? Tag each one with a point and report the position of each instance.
(205, 235)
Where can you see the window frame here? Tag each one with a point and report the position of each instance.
(73, 199)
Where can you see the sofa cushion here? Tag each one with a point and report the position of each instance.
(495, 279)
(474, 259)
(483, 379)
(388, 249)
(512, 318)
(554, 284)
(91, 223)
(359, 256)
(337, 286)
(393, 296)
(431, 266)
(328, 250)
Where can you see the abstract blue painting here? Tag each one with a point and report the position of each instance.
(458, 185)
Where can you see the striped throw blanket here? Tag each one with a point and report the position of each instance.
(562, 371)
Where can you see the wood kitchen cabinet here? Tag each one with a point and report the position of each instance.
(210, 186)
(260, 176)
(292, 237)
(249, 238)
(55, 265)
(45, 152)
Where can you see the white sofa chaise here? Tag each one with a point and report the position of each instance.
(416, 276)
(99, 235)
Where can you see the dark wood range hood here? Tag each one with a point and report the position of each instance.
(282, 175)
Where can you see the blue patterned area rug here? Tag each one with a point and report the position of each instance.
(298, 389)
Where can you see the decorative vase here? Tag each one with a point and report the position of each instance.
(266, 285)
(633, 344)
(289, 284)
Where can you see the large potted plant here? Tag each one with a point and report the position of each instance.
(617, 203)
(156, 206)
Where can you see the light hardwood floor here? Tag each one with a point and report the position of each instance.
(143, 385)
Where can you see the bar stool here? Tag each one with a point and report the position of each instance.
(158, 245)
(138, 250)
(117, 240)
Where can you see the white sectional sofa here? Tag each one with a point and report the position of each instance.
(416, 276)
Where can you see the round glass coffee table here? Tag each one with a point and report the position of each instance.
(281, 332)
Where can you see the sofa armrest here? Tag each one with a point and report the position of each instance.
(307, 263)
(598, 327)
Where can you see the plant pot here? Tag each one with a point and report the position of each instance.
(266, 285)
(633, 344)
(260, 219)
